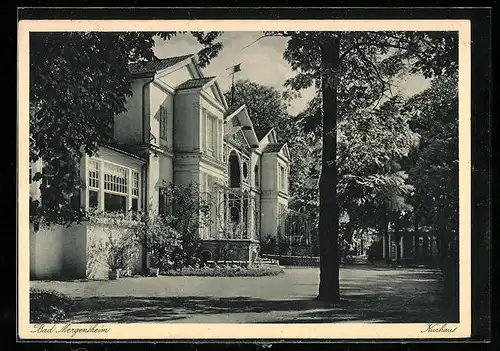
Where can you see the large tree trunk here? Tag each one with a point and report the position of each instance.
(384, 229)
(328, 207)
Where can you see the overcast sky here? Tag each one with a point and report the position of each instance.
(262, 63)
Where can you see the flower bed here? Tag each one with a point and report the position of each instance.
(49, 306)
(301, 261)
(227, 271)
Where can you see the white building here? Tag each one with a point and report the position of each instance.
(177, 129)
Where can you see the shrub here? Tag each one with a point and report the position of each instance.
(375, 251)
(49, 306)
(121, 252)
(118, 249)
(227, 271)
(188, 211)
(161, 241)
(270, 246)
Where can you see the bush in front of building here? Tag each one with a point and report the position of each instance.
(226, 270)
(375, 251)
(160, 240)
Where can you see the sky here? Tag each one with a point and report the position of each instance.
(262, 62)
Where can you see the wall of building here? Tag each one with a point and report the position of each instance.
(128, 125)
(166, 170)
(46, 252)
(160, 97)
(269, 173)
(186, 113)
(154, 183)
(175, 78)
(74, 247)
(269, 217)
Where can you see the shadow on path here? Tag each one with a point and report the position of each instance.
(358, 307)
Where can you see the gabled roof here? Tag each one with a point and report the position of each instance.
(273, 148)
(157, 64)
(241, 114)
(194, 83)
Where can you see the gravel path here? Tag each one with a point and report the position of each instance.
(368, 295)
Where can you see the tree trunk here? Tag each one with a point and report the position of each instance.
(384, 228)
(417, 239)
(397, 237)
(328, 206)
(426, 246)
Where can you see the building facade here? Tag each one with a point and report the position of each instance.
(178, 129)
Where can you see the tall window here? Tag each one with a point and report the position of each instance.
(163, 123)
(281, 176)
(211, 135)
(94, 183)
(135, 191)
(256, 174)
(165, 205)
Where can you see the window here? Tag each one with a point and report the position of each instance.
(112, 182)
(94, 183)
(256, 173)
(162, 205)
(245, 170)
(282, 179)
(135, 191)
(115, 188)
(211, 135)
(163, 123)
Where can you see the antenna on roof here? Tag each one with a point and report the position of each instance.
(234, 69)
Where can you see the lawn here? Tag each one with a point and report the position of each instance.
(368, 295)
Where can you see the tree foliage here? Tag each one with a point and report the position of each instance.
(352, 72)
(266, 105)
(434, 166)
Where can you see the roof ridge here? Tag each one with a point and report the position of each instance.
(157, 64)
(194, 82)
(174, 57)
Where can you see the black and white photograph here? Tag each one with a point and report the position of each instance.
(255, 177)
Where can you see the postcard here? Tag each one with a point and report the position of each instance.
(244, 179)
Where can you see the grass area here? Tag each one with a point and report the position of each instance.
(49, 306)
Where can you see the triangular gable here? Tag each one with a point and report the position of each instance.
(240, 117)
(241, 138)
(236, 134)
(213, 89)
(181, 72)
(272, 136)
(285, 151)
(210, 91)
